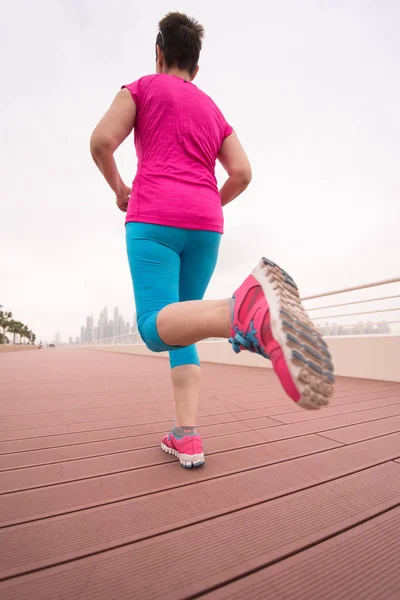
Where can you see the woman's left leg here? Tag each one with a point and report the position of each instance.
(198, 261)
(168, 264)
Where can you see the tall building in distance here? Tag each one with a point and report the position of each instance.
(103, 324)
(89, 329)
(116, 321)
(106, 329)
(57, 338)
(383, 327)
(121, 324)
(369, 327)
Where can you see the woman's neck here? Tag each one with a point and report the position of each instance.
(182, 73)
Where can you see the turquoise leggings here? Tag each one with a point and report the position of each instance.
(168, 265)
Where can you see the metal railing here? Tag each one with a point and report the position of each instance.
(381, 326)
(118, 340)
(127, 340)
(354, 288)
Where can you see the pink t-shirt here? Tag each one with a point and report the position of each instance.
(179, 131)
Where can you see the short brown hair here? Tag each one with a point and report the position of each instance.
(180, 39)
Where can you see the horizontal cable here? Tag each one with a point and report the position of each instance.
(357, 302)
(368, 312)
(352, 289)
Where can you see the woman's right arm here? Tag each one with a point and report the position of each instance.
(235, 162)
(108, 135)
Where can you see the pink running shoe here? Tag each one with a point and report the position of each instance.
(189, 448)
(268, 319)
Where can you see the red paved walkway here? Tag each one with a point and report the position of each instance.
(290, 504)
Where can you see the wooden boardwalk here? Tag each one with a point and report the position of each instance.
(290, 504)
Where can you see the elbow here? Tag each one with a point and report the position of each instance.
(247, 177)
(96, 147)
(100, 145)
(243, 177)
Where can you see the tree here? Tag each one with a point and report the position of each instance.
(20, 331)
(13, 327)
(24, 332)
(17, 329)
(5, 319)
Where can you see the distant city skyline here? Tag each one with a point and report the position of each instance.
(105, 328)
(360, 328)
(89, 332)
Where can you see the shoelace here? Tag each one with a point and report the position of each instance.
(248, 341)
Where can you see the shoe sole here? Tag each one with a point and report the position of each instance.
(187, 460)
(305, 352)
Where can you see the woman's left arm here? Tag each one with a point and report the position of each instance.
(111, 131)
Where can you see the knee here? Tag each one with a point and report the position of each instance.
(152, 346)
(148, 332)
(148, 340)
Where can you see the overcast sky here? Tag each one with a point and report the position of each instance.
(312, 89)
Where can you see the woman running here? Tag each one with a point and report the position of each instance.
(174, 223)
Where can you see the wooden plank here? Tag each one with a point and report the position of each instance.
(90, 428)
(359, 397)
(364, 431)
(100, 418)
(112, 435)
(336, 410)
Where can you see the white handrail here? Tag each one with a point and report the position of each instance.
(354, 288)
